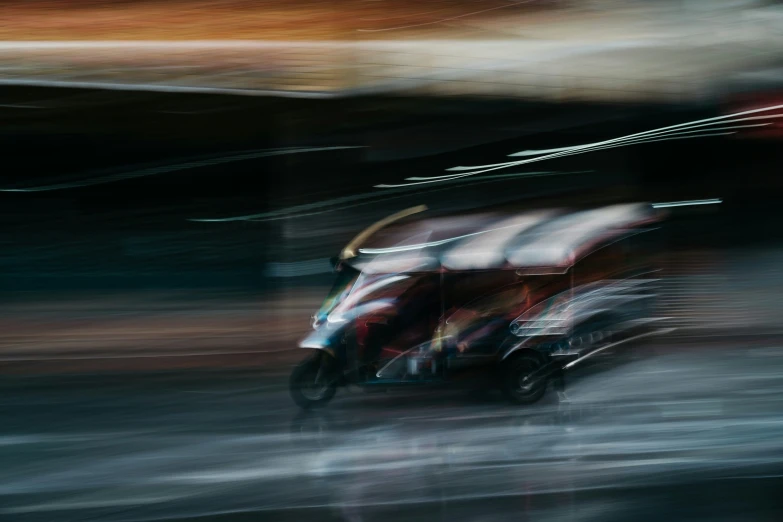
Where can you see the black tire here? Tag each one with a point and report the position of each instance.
(513, 374)
(305, 391)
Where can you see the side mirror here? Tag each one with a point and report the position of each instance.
(335, 262)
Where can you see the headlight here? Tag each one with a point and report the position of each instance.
(336, 318)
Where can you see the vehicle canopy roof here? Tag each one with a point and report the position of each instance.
(539, 241)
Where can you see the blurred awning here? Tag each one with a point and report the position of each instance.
(540, 239)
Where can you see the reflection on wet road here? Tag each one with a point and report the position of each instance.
(683, 433)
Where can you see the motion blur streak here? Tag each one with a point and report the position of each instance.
(663, 130)
(598, 146)
(419, 246)
(687, 203)
(513, 4)
(622, 141)
(292, 260)
(572, 150)
(165, 169)
(302, 210)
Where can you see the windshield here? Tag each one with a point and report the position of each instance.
(346, 278)
(372, 288)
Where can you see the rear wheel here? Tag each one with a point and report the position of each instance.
(519, 383)
(313, 382)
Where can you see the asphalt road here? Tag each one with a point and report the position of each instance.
(677, 432)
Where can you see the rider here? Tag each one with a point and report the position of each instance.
(416, 311)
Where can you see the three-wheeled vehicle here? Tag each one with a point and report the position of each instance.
(521, 297)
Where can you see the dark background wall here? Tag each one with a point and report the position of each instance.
(134, 232)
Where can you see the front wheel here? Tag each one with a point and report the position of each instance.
(313, 382)
(519, 380)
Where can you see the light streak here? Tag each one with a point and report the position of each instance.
(337, 315)
(498, 176)
(678, 137)
(164, 169)
(638, 141)
(19, 106)
(419, 246)
(637, 138)
(715, 201)
(168, 88)
(549, 151)
(314, 209)
(450, 177)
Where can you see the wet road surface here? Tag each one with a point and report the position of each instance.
(679, 432)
